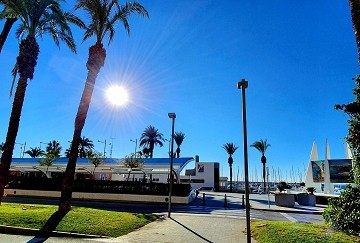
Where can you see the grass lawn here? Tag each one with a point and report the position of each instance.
(78, 220)
(279, 231)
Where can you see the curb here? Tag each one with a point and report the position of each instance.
(287, 211)
(42, 233)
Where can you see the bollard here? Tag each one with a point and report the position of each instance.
(243, 200)
(225, 202)
(203, 201)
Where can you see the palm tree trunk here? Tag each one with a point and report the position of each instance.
(11, 134)
(355, 16)
(6, 30)
(264, 176)
(97, 55)
(27, 59)
(231, 186)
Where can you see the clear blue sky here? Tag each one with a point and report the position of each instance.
(299, 59)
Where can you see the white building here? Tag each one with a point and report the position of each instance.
(329, 175)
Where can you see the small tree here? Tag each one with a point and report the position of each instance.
(131, 162)
(48, 161)
(96, 159)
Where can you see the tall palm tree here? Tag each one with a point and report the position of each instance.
(53, 147)
(262, 145)
(151, 137)
(179, 138)
(85, 145)
(355, 17)
(37, 18)
(35, 152)
(230, 148)
(104, 14)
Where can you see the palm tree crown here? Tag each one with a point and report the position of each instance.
(179, 138)
(35, 152)
(262, 146)
(151, 136)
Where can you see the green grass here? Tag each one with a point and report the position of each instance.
(78, 220)
(288, 232)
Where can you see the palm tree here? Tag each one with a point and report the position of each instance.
(179, 138)
(35, 152)
(10, 20)
(230, 148)
(262, 145)
(37, 18)
(53, 147)
(355, 17)
(104, 14)
(151, 137)
(85, 145)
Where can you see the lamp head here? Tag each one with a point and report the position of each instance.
(242, 84)
(172, 115)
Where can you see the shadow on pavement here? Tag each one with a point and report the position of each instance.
(200, 236)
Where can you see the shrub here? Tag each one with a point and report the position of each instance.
(343, 213)
(282, 186)
(311, 190)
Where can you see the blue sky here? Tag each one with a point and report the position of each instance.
(299, 59)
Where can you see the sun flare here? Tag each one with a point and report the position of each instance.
(117, 95)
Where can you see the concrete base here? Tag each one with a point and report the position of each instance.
(306, 199)
(103, 196)
(285, 200)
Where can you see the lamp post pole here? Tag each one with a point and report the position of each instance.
(243, 84)
(104, 142)
(135, 145)
(172, 116)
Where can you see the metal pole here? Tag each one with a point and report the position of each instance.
(173, 116)
(243, 85)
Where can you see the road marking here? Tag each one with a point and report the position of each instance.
(292, 219)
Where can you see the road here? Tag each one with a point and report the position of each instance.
(214, 206)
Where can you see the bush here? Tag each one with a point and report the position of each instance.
(343, 213)
(283, 185)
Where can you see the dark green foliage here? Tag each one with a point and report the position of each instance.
(343, 213)
(353, 137)
(283, 185)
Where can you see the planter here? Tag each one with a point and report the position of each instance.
(306, 199)
(285, 200)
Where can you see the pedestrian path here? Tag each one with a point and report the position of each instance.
(187, 228)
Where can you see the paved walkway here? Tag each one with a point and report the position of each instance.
(189, 228)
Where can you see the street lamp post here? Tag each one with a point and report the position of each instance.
(172, 116)
(135, 145)
(104, 142)
(243, 84)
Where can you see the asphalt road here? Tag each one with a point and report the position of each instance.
(214, 205)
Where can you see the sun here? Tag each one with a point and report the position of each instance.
(117, 95)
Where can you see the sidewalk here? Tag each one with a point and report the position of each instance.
(189, 228)
(267, 203)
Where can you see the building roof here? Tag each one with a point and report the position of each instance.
(110, 165)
